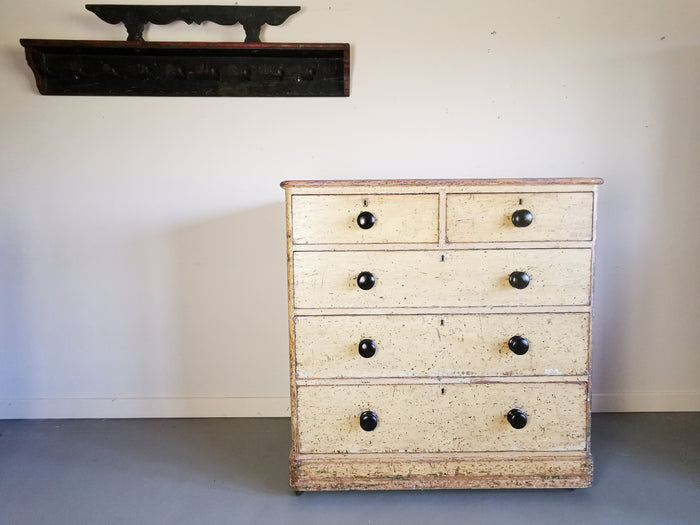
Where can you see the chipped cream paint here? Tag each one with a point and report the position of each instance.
(553, 372)
(459, 464)
(487, 217)
(323, 386)
(442, 418)
(441, 345)
(332, 219)
(427, 471)
(422, 278)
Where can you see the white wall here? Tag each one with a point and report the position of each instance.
(142, 256)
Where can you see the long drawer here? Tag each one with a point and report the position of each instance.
(488, 217)
(442, 417)
(444, 346)
(332, 219)
(449, 278)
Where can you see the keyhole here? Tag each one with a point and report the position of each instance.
(520, 201)
(364, 202)
(442, 322)
(442, 391)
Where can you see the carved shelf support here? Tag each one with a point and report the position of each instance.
(136, 17)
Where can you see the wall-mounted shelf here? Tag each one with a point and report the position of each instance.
(140, 68)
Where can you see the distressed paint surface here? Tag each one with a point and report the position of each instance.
(486, 217)
(493, 467)
(442, 418)
(416, 188)
(469, 185)
(441, 345)
(441, 278)
(330, 219)
(431, 471)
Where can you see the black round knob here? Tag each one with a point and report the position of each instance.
(518, 344)
(365, 280)
(517, 418)
(519, 280)
(366, 220)
(367, 348)
(368, 421)
(521, 218)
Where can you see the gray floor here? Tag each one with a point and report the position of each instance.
(202, 471)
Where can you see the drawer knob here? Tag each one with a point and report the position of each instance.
(518, 344)
(517, 418)
(519, 280)
(367, 348)
(368, 421)
(366, 220)
(521, 218)
(365, 280)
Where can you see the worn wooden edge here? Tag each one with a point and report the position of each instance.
(442, 482)
(327, 472)
(442, 217)
(456, 310)
(404, 246)
(439, 380)
(49, 44)
(590, 320)
(291, 324)
(451, 189)
(437, 182)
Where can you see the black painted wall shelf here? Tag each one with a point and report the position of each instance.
(139, 68)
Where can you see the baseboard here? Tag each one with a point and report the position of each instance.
(156, 407)
(148, 407)
(647, 402)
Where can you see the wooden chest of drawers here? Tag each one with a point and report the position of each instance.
(439, 333)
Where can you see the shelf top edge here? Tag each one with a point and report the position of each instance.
(438, 182)
(152, 44)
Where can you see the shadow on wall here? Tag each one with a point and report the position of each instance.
(19, 62)
(231, 297)
(647, 286)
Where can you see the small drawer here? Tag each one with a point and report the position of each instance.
(512, 217)
(442, 418)
(453, 278)
(362, 346)
(353, 219)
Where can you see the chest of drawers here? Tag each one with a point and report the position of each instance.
(440, 333)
